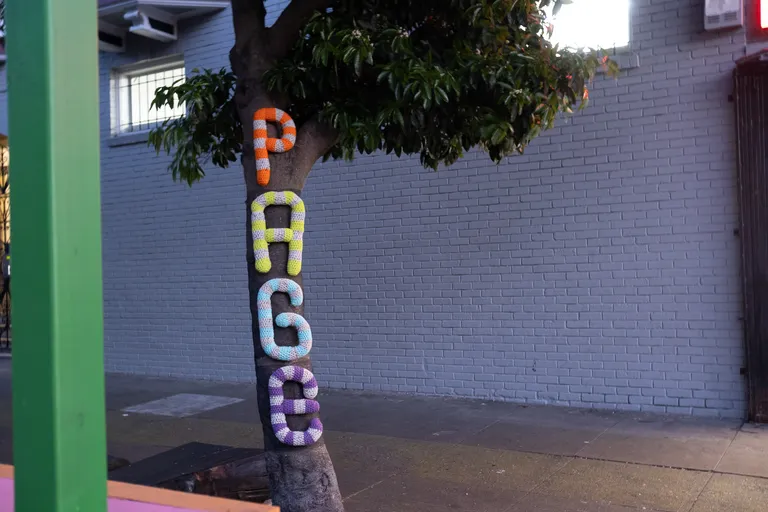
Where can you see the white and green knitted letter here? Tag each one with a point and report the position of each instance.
(262, 236)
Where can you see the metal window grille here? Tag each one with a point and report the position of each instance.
(134, 92)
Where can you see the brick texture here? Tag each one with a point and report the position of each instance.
(175, 292)
(600, 269)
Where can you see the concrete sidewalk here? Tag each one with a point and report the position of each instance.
(403, 454)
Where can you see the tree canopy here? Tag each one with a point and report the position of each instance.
(427, 77)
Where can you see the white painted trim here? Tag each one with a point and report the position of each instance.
(151, 65)
(128, 138)
(121, 7)
(117, 74)
(194, 4)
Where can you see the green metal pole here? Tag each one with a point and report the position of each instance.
(58, 378)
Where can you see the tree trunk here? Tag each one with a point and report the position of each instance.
(302, 479)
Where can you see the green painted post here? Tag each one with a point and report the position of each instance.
(58, 379)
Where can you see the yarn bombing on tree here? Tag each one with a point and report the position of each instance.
(263, 145)
(280, 406)
(262, 236)
(267, 331)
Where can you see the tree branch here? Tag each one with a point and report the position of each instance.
(313, 140)
(248, 20)
(285, 32)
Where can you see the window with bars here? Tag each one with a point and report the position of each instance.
(133, 89)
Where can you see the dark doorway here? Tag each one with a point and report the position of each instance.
(751, 98)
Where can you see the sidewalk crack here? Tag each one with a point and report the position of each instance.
(566, 461)
(577, 454)
(714, 469)
(695, 499)
(367, 488)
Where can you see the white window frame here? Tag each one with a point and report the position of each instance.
(120, 93)
(614, 48)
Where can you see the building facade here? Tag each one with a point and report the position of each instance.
(600, 269)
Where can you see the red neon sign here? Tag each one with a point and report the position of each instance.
(763, 13)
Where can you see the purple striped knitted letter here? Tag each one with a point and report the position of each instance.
(280, 406)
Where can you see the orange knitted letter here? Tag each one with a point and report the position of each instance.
(263, 145)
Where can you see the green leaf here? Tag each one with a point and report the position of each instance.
(433, 79)
(212, 132)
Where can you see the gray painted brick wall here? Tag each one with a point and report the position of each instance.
(600, 269)
(175, 296)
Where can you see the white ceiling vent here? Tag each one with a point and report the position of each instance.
(152, 23)
(111, 38)
(719, 14)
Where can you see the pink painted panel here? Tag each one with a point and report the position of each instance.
(6, 495)
(115, 505)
